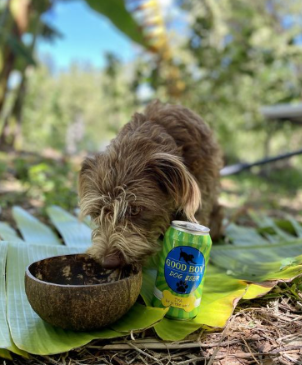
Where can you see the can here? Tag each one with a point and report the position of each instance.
(181, 271)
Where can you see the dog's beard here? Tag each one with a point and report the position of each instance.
(123, 244)
(119, 237)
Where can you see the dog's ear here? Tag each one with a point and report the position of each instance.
(86, 184)
(86, 173)
(174, 178)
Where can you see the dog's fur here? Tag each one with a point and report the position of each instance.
(163, 165)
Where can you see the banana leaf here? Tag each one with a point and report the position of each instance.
(243, 270)
(269, 228)
(73, 231)
(117, 13)
(290, 225)
(33, 230)
(8, 234)
(256, 263)
(244, 236)
(5, 354)
(6, 343)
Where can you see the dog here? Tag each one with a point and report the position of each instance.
(163, 165)
(187, 257)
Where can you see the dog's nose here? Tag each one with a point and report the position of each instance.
(113, 261)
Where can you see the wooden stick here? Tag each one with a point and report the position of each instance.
(154, 345)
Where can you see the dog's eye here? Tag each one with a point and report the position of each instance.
(135, 210)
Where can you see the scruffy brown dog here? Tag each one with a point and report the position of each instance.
(163, 165)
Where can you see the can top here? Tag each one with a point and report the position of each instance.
(193, 228)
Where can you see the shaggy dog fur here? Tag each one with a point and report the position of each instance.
(163, 165)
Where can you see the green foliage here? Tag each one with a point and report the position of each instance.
(21, 166)
(243, 57)
(117, 13)
(239, 56)
(41, 180)
(19, 49)
(49, 182)
(3, 167)
(82, 108)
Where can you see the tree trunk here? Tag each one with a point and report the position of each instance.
(7, 57)
(12, 123)
(15, 24)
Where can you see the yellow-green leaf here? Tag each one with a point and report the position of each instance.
(5, 354)
(138, 318)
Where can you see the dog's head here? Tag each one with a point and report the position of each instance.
(132, 199)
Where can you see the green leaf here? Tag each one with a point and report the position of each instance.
(220, 297)
(6, 342)
(20, 49)
(33, 231)
(48, 32)
(268, 225)
(29, 332)
(8, 234)
(5, 354)
(72, 230)
(290, 225)
(117, 13)
(256, 290)
(282, 272)
(260, 263)
(149, 277)
(254, 254)
(138, 318)
(244, 236)
(173, 330)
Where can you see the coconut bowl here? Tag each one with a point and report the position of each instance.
(75, 292)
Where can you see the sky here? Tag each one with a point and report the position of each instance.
(87, 36)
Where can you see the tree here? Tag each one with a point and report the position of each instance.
(20, 16)
(244, 55)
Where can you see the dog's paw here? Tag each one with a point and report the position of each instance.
(181, 286)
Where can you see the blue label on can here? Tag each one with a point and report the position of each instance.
(184, 269)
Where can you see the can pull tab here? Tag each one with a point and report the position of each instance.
(190, 227)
